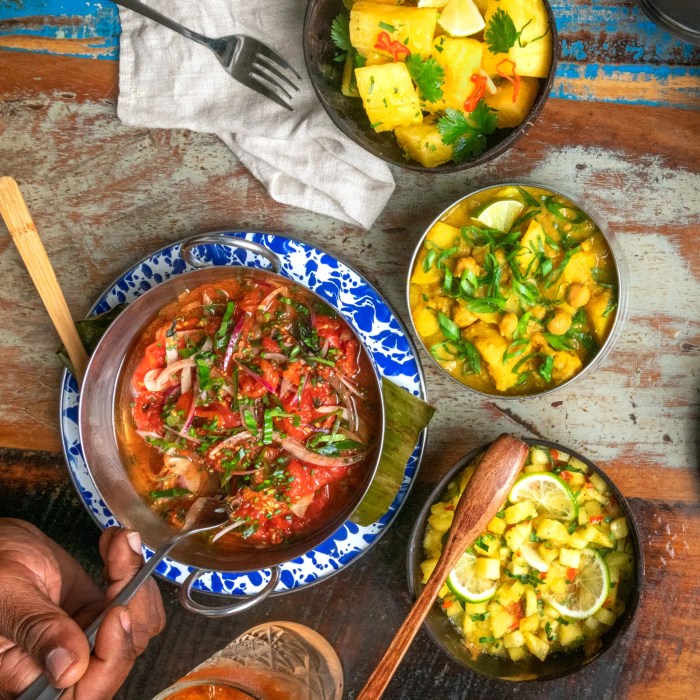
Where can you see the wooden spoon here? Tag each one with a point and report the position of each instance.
(482, 497)
(18, 220)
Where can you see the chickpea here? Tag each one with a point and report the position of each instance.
(538, 312)
(508, 324)
(578, 294)
(560, 323)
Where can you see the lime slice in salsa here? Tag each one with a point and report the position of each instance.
(588, 591)
(466, 585)
(500, 215)
(461, 18)
(549, 494)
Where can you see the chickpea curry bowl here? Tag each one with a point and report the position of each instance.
(516, 291)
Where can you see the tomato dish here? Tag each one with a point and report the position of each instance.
(257, 392)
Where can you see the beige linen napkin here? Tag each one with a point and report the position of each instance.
(168, 81)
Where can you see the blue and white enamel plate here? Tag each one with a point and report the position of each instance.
(363, 307)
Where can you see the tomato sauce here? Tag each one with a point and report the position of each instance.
(258, 393)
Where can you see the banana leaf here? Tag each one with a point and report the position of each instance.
(406, 417)
(90, 331)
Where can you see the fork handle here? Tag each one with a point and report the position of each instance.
(149, 12)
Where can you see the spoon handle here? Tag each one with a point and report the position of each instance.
(19, 222)
(480, 501)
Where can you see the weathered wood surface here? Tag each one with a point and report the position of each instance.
(622, 136)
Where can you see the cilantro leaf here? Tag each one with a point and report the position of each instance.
(467, 134)
(428, 75)
(501, 33)
(340, 34)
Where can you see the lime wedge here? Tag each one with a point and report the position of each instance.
(466, 585)
(500, 215)
(588, 592)
(461, 18)
(549, 493)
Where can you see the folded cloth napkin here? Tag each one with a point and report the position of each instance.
(168, 81)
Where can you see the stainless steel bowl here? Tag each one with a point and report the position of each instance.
(622, 292)
(98, 426)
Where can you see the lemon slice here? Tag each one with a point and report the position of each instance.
(548, 492)
(588, 592)
(500, 215)
(466, 585)
(461, 18)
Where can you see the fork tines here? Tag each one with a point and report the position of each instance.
(272, 82)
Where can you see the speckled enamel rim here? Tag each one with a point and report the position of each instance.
(622, 292)
(385, 337)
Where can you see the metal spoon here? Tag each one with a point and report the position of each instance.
(205, 514)
(480, 501)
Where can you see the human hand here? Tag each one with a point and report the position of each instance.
(46, 599)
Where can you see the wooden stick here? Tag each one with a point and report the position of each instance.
(482, 497)
(18, 220)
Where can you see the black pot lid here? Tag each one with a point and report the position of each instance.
(679, 17)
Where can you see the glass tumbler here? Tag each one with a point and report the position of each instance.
(272, 661)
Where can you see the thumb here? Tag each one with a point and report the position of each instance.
(37, 625)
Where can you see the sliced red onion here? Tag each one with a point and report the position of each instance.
(276, 356)
(207, 345)
(171, 354)
(195, 440)
(324, 348)
(158, 379)
(185, 381)
(232, 442)
(299, 508)
(262, 306)
(350, 434)
(232, 342)
(149, 434)
(296, 449)
(257, 377)
(228, 528)
(312, 316)
(351, 386)
(285, 386)
(323, 410)
(345, 398)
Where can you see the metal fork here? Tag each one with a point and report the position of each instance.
(245, 59)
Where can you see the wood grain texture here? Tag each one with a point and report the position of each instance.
(658, 658)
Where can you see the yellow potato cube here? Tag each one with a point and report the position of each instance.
(423, 142)
(461, 315)
(532, 240)
(513, 112)
(460, 58)
(388, 95)
(413, 27)
(443, 235)
(426, 321)
(491, 346)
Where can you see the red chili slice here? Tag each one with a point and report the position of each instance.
(473, 100)
(514, 78)
(395, 47)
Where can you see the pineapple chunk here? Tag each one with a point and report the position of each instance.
(516, 535)
(460, 58)
(570, 558)
(531, 608)
(605, 617)
(413, 27)
(500, 622)
(535, 58)
(513, 112)
(487, 546)
(513, 639)
(440, 518)
(520, 511)
(427, 566)
(537, 646)
(497, 526)
(570, 634)
(530, 623)
(516, 653)
(388, 95)
(488, 568)
(423, 143)
(552, 530)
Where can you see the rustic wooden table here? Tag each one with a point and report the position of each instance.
(621, 133)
